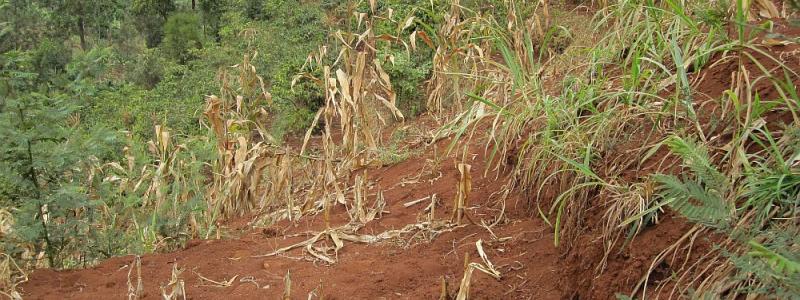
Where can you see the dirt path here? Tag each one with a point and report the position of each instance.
(410, 267)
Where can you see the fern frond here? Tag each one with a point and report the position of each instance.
(696, 158)
(693, 201)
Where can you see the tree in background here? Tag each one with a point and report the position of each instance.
(27, 22)
(181, 35)
(212, 11)
(22, 24)
(150, 16)
(84, 17)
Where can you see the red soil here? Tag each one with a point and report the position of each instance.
(521, 247)
(530, 265)
(627, 266)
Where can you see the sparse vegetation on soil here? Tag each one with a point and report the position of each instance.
(454, 149)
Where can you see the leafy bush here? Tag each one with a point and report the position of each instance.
(182, 35)
(150, 16)
(148, 69)
(408, 74)
(50, 58)
(44, 159)
(254, 9)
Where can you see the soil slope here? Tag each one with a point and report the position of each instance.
(411, 267)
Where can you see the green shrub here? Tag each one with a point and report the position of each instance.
(150, 16)
(212, 11)
(182, 35)
(148, 68)
(408, 74)
(50, 59)
(254, 9)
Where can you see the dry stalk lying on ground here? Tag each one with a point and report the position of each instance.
(487, 267)
(318, 245)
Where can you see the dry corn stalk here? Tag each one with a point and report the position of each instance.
(6, 222)
(358, 95)
(10, 276)
(176, 286)
(546, 12)
(459, 63)
(287, 286)
(443, 289)
(281, 182)
(464, 188)
(241, 162)
(487, 267)
(358, 92)
(135, 291)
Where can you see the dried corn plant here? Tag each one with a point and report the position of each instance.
(6, 222)
(280, 178)
(11, 275)
(287, 286)
(252, 172)
(238, 170)
(762, 8)
(135, 291)
(485, 267)
(461, 61)
(464, 188)
(175, 289)
(359, 103)
(165, 177)
(359, 96)
(236, 118)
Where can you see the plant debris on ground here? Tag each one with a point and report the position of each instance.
(454, 149)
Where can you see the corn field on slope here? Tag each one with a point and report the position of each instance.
(653, 154)
(406, 252)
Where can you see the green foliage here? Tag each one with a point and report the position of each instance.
(50, 59)
(775, 265)
(702, 199)
(693, 201)
(43, 159)
(150, 16)
(772, 190)
(408, 73)
(148, 69)
(86, 70)
(23, 24)
(212, 11)
(83, 17)
(782, 265)
(181, 36)
(773, 185)
(770, 193)
(254, 9)
(54, 172)
(296, 106)
(283, 36)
